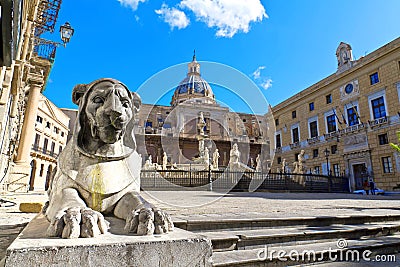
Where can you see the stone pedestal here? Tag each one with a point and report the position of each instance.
(178, 248)
(19, 178)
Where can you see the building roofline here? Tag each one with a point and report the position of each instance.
(359, 63)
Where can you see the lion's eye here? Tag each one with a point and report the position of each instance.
(126, 104)
(98, 100)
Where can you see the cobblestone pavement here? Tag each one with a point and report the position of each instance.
(212, 206)
(257, 204)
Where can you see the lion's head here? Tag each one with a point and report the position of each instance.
(106, 116)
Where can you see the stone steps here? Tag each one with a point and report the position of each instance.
(248, 239)
(238, 223)
(296, 254)
(237, 241)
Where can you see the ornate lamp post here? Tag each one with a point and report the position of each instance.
(327, 152)
(66, 32)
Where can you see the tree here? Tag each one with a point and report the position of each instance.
(396, 147)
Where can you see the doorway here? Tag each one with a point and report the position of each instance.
(359, 173)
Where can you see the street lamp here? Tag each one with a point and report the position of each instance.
(66, 32)
(327, 152)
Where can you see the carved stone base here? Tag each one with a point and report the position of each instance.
(18, 180)
(178, 248)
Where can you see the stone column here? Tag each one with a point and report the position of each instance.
(21, 169)
(28, 127)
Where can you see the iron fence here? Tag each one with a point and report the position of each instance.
(241, 181)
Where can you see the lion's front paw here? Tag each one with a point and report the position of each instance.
(162, 222)
(78, 222)
(147, 221)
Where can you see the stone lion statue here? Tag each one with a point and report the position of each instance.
(98, 172)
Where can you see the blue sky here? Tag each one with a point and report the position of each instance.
(291, 43)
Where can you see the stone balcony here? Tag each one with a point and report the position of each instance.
(347, 130)
(295, 145)
(378, 122)
(313, 140)
(353, 128)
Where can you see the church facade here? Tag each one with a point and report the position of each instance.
(173, 129)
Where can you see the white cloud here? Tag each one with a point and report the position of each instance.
(260, 80)
(266, 83)
(228, 16)
(174, 17)
(257, 73)
(131, 3)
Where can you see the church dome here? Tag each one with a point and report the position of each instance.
(193, 88)
(195, 82)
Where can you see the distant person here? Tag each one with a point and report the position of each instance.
(366, 187)
(372, 187)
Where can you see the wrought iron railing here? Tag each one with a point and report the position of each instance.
(47, 15)
(241, 181)
(45, 49)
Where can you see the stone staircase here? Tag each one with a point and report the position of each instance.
(301, 241)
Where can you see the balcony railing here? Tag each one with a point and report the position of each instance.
(350, 129)
(378, 122)
(294, 145)
(45, 50)
(331, 135)
(353, 128)
(46, 152)
(313, 140)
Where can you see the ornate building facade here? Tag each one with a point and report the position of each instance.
(51, 131)
(173, 129)
(26, 64)
(346, 121)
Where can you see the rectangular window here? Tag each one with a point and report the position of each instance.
(56, 130)
(46, 141)
(313, 129)
(53, 145)
(331, 123)
(294, 115)
(383, 139)
(317, 170)
(39, 119)
(62, 134)
(336, 170)
(315, 153)
(387, 164)
(328, 99)
(60, 148)
(278, 140)
(276, 122)
(295, 135)
(374, 78)
(48, 124)
(352, 116)
(37, 140)
(334, 149)
(279, 160)
(311, 106)
(378, 107)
